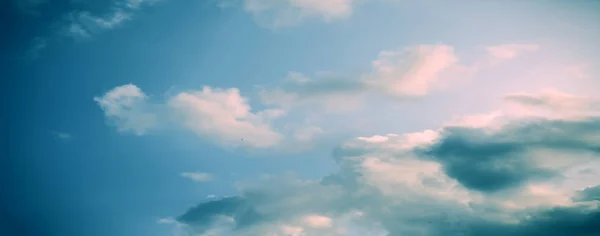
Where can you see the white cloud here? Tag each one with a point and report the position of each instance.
(282, 13)
(128, 109)
(85, 24)
(510, 51)
(220, 116)
(225, 117)
(197, 176)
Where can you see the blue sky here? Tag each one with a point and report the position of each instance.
(300, 117)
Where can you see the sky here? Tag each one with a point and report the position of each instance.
(300, 117)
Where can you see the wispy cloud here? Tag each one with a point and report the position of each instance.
(30, 6)
(510, 51)
(224, 116)
(197, 176)
(407, 73)
(62, 135)
(286, 13)
(167, 220)
(83, 24)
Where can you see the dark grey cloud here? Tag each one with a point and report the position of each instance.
(491, 161)
(204, 215)
(588, 194)
(559, 221)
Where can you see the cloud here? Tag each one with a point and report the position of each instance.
(225, 117)
(298, 90)
(127, 108)
(492, 161)
(166, 221)
(526, 176)
(588, 194)
(407, 73)
(84, 24)
(220, 116)
(553, 103)
(510, 51)
(412, 72)
(81, 24)
(277, 14)
(197, 176)
(62, 135)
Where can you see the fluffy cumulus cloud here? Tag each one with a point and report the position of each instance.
(282, 13)
(219, 115)
(512, 173)
(406, 73)
(224, 116)
(127, 108)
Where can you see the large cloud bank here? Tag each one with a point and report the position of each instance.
(505, 173)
